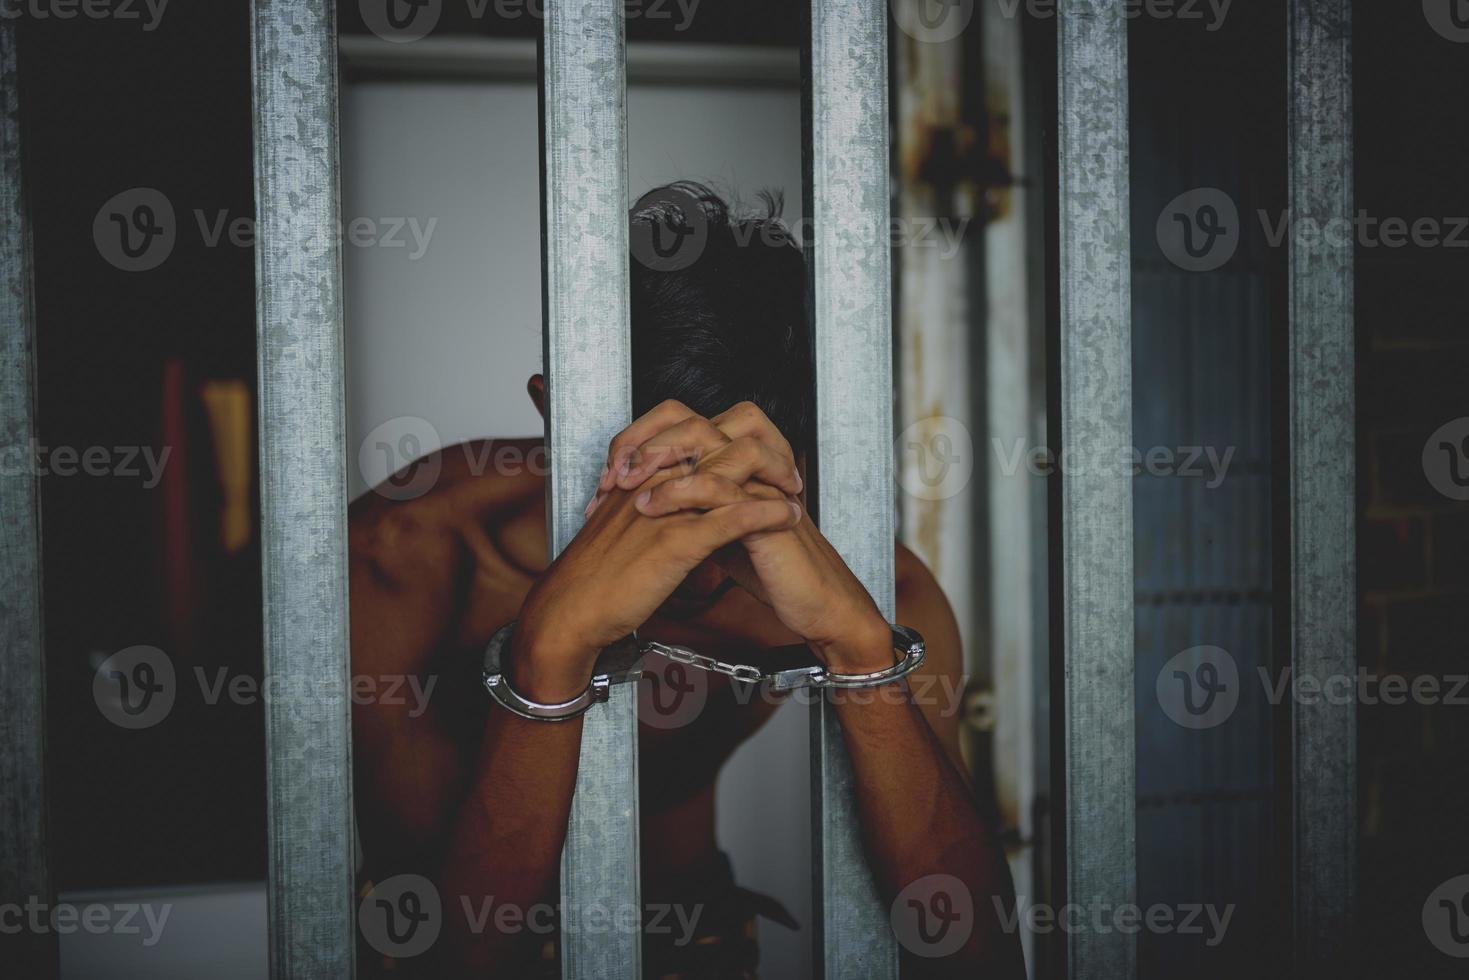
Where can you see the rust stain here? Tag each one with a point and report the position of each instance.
(929, 533)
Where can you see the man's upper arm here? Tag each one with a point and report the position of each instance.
(938, 686)
(403, 569)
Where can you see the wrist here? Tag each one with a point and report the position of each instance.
(546, 668)
(866, 648)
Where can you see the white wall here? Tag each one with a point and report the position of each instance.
(213, 931)
(451, 336)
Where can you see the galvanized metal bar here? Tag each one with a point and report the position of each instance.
(1096, 480)
(24, 847)
(588, 358)
(1322, 482)
(851, 306)
(303, 488)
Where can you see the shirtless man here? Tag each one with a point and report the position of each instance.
(697, 536)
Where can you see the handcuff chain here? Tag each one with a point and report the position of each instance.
(683, 655)
(620, 668)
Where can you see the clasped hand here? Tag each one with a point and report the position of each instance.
(679, 489)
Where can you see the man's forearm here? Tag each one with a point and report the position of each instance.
(918, 818)
(506, 838)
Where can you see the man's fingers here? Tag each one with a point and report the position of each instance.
(689, 440)
(697, 491)
(661, 416)
(748, 458)
(725, 525)
(746, 419)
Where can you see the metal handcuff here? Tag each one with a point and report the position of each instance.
(619, 664)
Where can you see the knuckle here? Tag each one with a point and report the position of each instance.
(746, 448)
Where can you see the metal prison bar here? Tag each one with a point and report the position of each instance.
(848, 265)
(303, 487)
(1096, 499)
(304, 492)
(1323, 554)
(588, 360)
(24, 870)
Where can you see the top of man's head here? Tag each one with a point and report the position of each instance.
(719, 310)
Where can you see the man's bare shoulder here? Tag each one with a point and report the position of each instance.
(418, 519)
(922, 605)
(914, 582)
(466, 480)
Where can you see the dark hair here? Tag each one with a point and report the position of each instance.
(722, 319)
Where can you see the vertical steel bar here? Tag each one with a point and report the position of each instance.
(850, 292)
(303, 488)
(1096, 480)
(588, 358)
(1322, 480)
(24, 848)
